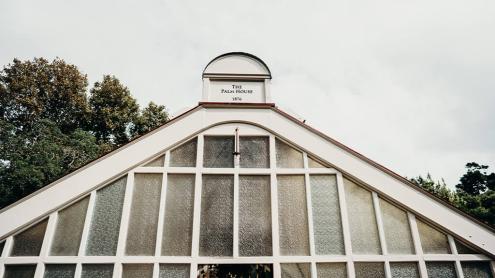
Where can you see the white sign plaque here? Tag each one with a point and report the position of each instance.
(237, 91)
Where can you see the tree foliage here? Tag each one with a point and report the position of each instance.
(50, 125)
(475, 194)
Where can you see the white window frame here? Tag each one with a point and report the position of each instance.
(194, 260)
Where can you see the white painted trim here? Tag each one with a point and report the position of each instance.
(161, 215)
(345, 224)
(132, 155)
(417, 244)
(87, 223)
(126, 211)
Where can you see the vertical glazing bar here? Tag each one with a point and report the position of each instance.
(276, 270)
(417, 244)
(345, 225)
(78, 272)
(156, 269)
(47, 240)
(161, 215)
(314, 272)
(309, 207)
(117, 270)
(197, 198)
(193, 270)
(236, 216)
(381, 232)
(7, 247)
(87, 223)
(453, 248)
(274, 204)
(126, 211)
(40, 270)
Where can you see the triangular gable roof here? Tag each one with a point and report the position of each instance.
(270, 118)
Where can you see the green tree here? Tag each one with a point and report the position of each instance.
(44, 153)
(50, 127)
(38, 89)
(439, 187)
(114, 111)
(474, 194)
(151, 117)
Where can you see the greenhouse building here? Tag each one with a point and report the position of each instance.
(236, 187)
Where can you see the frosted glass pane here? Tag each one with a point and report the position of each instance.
(476, 270)
(369, 270)
(143, 219)
(327, 226)
(174, 270)
(292, 216)
(97, 270)
(301, 270)
(158, 162)
(464, 249)
(218, 152)
(70, 223)
(404, 270)
(217, 204)
(255, 221)
(287, 156)
(179, 208)
(59, 271)
(254, 152)
(397, 231)
(19, 271)
(314, 164)
(184, 155)
(333, 270)
(441, 269)
(105, 223)
(432, 240)
(28, 242)
(137, 271)
(2, 244)
(362, 220)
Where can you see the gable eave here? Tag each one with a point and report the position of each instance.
(270, 118)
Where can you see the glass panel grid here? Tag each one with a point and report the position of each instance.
(28, 242)
(255, 221)
(184, 155)
(254, 152)
(70, 224)
(326, 215)
(179, 205)
(292, 215)
(217, 205)
(105, 225)
(143, 219)
(362, 219)
(218, 152)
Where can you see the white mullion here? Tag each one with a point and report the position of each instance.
(126, 210)
(117, 270)
(453, 249)
(7, 247)
(492, 267)
(156, 270)
(345, 225)
(49, 234)
(40, 269)
(78, 272)
(2, 269)
(87, 224)
(197, 199)
(274, 203)
(277, 272)
(167, 159)
(417, 244)
(193, 269)
(236, 217)
(314, 272)
(161, 214)
(379, 223)
(309, 208)
(381, 232)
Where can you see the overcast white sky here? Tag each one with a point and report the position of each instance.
(410, 84)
